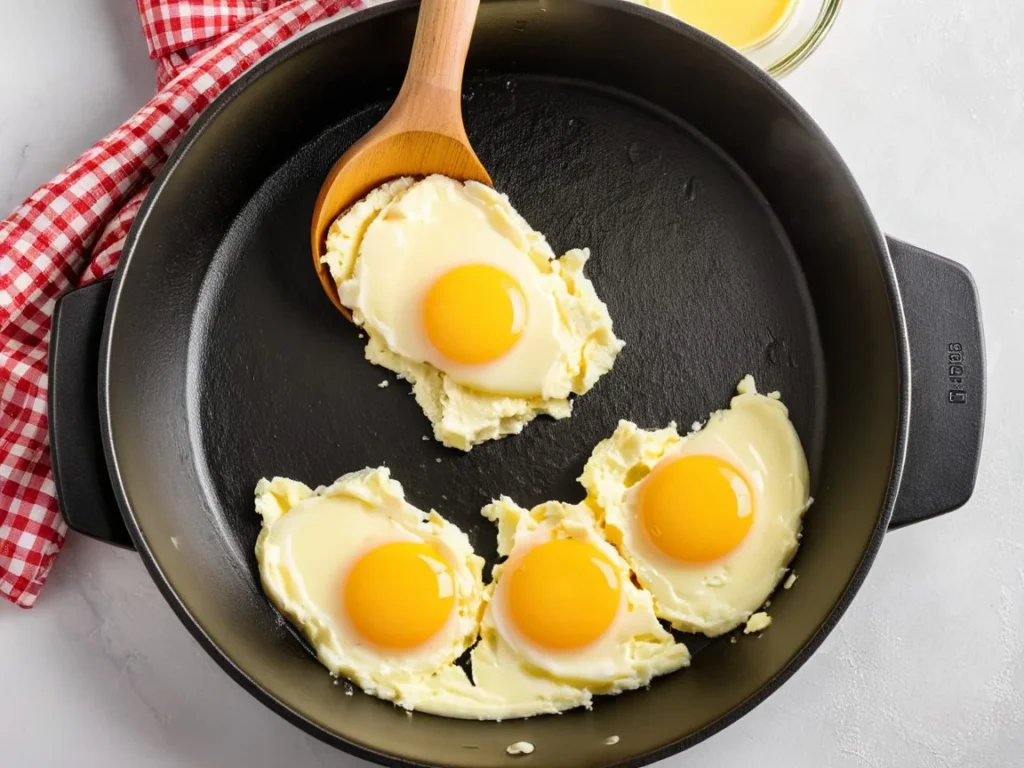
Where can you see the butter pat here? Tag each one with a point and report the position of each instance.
(759, 622)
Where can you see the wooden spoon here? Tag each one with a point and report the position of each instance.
(421, 134)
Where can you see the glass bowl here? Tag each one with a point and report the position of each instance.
(806, 24)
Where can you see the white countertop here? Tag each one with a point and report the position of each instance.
(924, 99)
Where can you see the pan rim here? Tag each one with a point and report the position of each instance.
(265, 695)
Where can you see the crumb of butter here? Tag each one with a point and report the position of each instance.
(790, 581)
(758, 622)
(611, 740)
(519, 748)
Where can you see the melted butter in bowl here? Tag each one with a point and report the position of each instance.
(742, 24)
(776, 35)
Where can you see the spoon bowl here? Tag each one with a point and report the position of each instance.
(422, 133)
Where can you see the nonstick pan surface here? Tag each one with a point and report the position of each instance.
(727, 239)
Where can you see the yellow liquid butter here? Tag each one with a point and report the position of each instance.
(742, 24)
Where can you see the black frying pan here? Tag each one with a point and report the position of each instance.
(728, 238)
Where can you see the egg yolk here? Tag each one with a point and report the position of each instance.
(563, 594)
(474, 314)
(399, 595)
(696, 508)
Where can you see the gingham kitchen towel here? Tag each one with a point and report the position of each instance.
(71, 231)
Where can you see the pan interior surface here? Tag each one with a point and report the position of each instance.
(698, 276)
(227, 362)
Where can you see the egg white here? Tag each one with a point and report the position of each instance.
(755, 436)
(434, 227)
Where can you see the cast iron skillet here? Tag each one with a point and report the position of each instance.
(728, 238)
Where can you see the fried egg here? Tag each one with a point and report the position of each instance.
(389, 597)
(708, 522)
(385, 593)
(564, 621)
(461, 297)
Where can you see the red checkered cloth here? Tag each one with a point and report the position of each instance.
(71, 231)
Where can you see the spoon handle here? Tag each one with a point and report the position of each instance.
(439, 49)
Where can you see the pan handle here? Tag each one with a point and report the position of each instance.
(84, 494)
(947, 403)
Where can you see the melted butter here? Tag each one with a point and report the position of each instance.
(742, 24)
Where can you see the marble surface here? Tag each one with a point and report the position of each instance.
(923, 99)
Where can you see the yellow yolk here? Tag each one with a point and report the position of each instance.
(696, 508)
(474, 314)
(739, 23)
(563, 594)
(399, 595)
